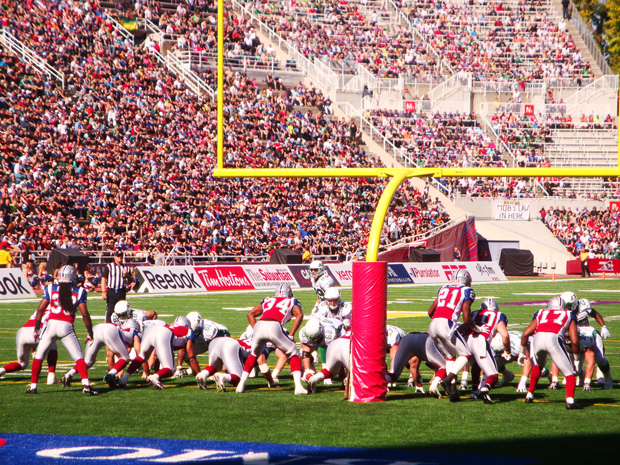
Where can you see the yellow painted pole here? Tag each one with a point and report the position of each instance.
(413, 172)
(382, 207)
(220, 84)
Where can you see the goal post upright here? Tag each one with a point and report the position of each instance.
(367, 380)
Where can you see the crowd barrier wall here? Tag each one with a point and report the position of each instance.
(14, 285)
(162, 279)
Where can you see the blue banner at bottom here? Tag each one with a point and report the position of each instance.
(18, 449)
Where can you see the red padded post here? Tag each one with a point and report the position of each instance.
(368, 339)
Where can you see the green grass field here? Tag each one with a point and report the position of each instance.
(543, 431)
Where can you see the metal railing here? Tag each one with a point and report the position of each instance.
(118, 27)
(14, 45)
(587, 37)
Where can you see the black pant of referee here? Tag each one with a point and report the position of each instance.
(113, 296)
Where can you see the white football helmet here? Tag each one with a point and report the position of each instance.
(570, 301)
(556, 303)
(182, 321)
(195, 321)
(67, 274)
(497, 343)
(314, 330)
(463, 277)
(317, 269)
(584, 304)
(122, 309)
(332, 297)
(489, 304)
(284, 290)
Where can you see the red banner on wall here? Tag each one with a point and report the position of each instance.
(221, 278)
(410, 106)
(597, 265)
(529, 110)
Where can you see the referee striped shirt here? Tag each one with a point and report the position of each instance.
(115, 275)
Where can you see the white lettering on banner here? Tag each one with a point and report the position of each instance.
(442, 272)
(266, 276)
(512, 211)
(13, 284)
(222, 280)
(277, 275)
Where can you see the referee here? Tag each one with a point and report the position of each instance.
(113, 284)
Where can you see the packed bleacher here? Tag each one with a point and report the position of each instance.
(590, 229)
(123, 159)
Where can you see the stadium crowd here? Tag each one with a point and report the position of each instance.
(122, 158)
(591, 230)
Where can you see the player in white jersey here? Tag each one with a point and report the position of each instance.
(274, 313)
(334, 307)
(25, 343)
(321, 281)
(592, 351)
(318, 333)
(414, 348)
(498, 346)
(165, 340)
(337, 357)
(116, 338)
(452, 300)
(205, 331)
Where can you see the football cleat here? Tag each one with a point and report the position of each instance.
(410, 383)
(201, 380)
(66, 381)
(328, 381)
(154, 380)
(450, 389)
(529, 400)
(475, 394)
(300, 391)
(31, 390)
(553, 386)
(90, 391)
(240, 388)
(434, 391)
(219, 382)
(573, 406)
(486, 398)
(110, 380)
(51, 378)
(276, 380)
(463, 386)
(587, 388)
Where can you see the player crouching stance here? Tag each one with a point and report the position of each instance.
(164, 340)
(274, 313)
(548, 327)
(337, 356)
(64, 300)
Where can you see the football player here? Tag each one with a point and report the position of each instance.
(273, 313)
(337, 357)
(231, 354)
(488, 321)
(548, 328)
(319, 332)
(452, 300)
(24, 340)
(64, 300)
(334, 307)
(321, 281)
(261, 362)
(116, 338)
(498, 346)
(205, 331)
(164, 340)
(592, 351)
(414, 348)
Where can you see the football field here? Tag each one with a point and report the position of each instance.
(255, 427)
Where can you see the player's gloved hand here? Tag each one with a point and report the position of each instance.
(178, 373)
(521, 359)
(478, 329)
(292, 338)
(410, 382)
(506, 355)
(37, 336)
(89, 339)
(576, 364)
(605, 332)
(419, 389)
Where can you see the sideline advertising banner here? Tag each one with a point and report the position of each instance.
(169, 279)
(14, 285)
(160, 279)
